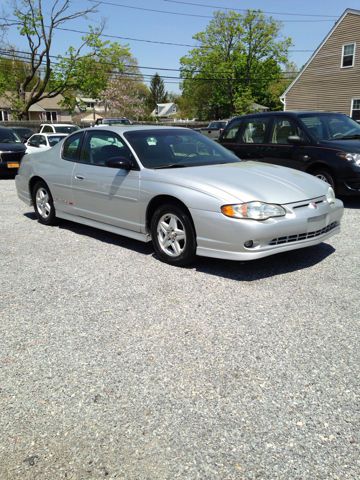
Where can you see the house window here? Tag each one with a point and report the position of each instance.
(4, 116)
(51, 117)
(348, 54)
(355, 110)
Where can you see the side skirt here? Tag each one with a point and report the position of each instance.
(142, 237)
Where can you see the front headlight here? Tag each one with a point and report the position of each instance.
(330, 196)
(352, 157)
(253, 210)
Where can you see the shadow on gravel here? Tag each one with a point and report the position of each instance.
(101, 235)
(265, 267)
(278, 264)
(7, 176)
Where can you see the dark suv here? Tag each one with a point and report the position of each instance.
(11, 151)
(326, 145)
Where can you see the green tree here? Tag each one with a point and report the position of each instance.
(243, 102)
(157, 92)
(236, 53)
(48, 76)
(13, 71)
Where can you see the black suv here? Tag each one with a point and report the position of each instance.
(11, 151)
(326, 145)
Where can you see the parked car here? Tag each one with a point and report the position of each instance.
(326, 145)
(43, 141)
(183, 191)
(113, 121)
(23, 133)
(11, 151)
(214, 129)
(58, 128)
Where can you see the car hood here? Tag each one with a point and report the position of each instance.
(12, 147)
(246, 181)
(350, 146)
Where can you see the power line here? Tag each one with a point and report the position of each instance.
(24, 57)
(247, 9)
(143, 9)
(144, 40)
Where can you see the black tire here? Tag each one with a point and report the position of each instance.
(46, 214)
(185, 252)
(326, 176)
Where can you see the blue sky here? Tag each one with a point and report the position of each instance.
(306, 31)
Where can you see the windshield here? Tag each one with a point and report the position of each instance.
(116, 121)
(68, 129)
(217, 125)
(331, 126)
(167, 148)
(54, 139)
(8, 136)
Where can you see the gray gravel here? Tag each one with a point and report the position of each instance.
(115, 365)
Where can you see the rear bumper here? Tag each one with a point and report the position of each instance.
(22, 189)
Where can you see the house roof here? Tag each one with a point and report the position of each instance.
(40, 106)
(337, 23)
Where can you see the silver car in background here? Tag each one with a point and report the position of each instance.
(183, 191)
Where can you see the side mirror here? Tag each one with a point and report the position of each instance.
(296, 140)
(119, 162)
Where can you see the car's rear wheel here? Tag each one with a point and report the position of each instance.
(173, 235)
(43, 204)
(325, 176)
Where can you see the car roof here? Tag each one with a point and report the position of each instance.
(133, 128)
(58, 124)
(291, 113)
(51, 134)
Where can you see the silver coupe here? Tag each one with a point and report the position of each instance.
(182, 191)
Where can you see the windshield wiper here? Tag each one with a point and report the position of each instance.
(171, 165)
(349, 137)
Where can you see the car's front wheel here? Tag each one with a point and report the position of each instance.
(43, 204)
(173, 235)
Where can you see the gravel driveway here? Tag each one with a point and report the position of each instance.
(115, 365)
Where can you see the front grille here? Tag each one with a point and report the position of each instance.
(12, 156)
(317, 202)
(303, 236)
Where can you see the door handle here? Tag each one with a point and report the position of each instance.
(79, 177)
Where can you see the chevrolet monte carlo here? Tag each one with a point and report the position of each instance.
(182, 191)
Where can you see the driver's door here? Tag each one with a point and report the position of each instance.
(104, 194)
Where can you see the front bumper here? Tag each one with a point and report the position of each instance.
(350, 185)
(303, 226)
(10, 167)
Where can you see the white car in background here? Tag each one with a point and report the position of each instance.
(43, 141)
(58, 128)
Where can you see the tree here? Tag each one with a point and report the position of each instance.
(243, 102)
(48, 76)
(125, 96)
(236, 53)
(12, 72)
(157, 93)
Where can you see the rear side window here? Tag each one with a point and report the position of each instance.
(283, 129)
(71, 148)
(254, 130)
(231, 132)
